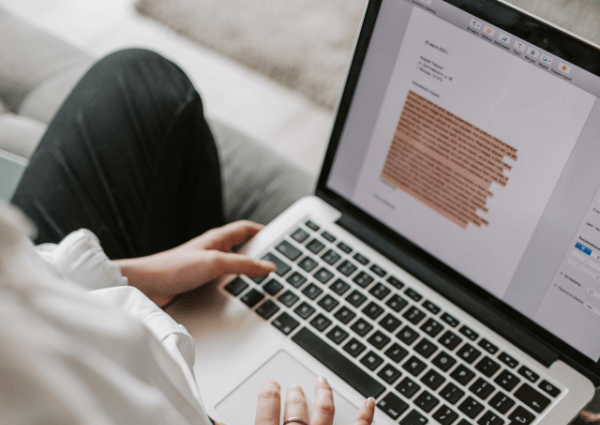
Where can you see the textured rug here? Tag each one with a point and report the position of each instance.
(307, 44)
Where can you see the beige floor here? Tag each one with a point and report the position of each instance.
(244, 99)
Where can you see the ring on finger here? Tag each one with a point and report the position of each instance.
(294, 419)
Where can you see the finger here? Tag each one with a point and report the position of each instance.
(268, 408)
(241, 264)
(324, 409)
(225, 237)
(295, 404)
(366, 412)
(589, 416)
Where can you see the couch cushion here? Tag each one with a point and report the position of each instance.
(258, 184)
(30, 56)
(20, 135)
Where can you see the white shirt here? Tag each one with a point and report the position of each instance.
(79, 346)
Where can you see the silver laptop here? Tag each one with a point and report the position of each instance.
(449, 263)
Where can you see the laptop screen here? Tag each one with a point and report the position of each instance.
(480, 147)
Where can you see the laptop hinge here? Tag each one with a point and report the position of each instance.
(476, 307)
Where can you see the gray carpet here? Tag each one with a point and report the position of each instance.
(307, 44)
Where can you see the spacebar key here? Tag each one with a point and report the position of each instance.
(339, 364)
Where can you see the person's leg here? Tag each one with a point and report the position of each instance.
(129, 156)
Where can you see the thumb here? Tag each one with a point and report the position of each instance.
(243, 264)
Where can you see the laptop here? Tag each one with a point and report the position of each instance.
(449, 262)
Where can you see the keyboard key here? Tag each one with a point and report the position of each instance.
(328, 303)
(481, 388)
(508, 360)
(363, 279)
(389, 374)
(407, 387)
(344, 248)
(312, 226)
(392, 405)
(288, 298)
(285, 323)
(389, 323)
(378, 270)
(396, 353)
(323, 275)
(380, 291)
(344, 315)
(488, 346)
(548, 388)
(407, 335)
(312, 291)
(320, 322)
(412, 294)
(501, 402)
(433, 379)
(371, 360)
(296, 280)
(396, 303)
(354, 347)
(432, 327)
(445, 416)
(281, 267)
(449, 320)
(414, 418)
(339, 287)
(252, 297)
(267, 309)
(395, 282)
(426, 401)
(528, 374)
(444, 361)
(487, 366)
(299, 235)
(346, 268)
(451, 393)
(521, 416)
(236, 286)
(413, 315)
(372, 310)
(258, 279)
(307, 264)
(304, 310)
(414, 366)
(272, 287)
(288, 250)
(378, 340)
(361, 327)
(425, 348)
(338, 363)
(450, 340)
(468, 353)
(532, 398)
(315, 246)
(331, 257)
(356, 298)
(462, 374)
(337, 335)
(361, 259)
(471, 407)
(434, 309)
(490, 418)
(328, 236)
(469, 333)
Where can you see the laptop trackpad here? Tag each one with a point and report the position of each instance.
(239, 406)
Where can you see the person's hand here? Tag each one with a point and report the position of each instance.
(269, 406)
(162, 276)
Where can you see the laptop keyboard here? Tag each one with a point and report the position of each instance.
(386, 340)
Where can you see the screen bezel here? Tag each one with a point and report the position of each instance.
(526, 27)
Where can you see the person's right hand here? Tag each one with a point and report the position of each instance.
(269, 406)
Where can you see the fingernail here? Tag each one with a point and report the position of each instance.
(371, 402)
(267, 264)
(322, 380)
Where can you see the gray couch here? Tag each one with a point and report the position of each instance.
(37, 71)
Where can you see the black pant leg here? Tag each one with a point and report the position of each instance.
(129, 156)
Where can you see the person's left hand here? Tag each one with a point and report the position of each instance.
(166, 274)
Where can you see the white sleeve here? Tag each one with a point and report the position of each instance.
(79, 259)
